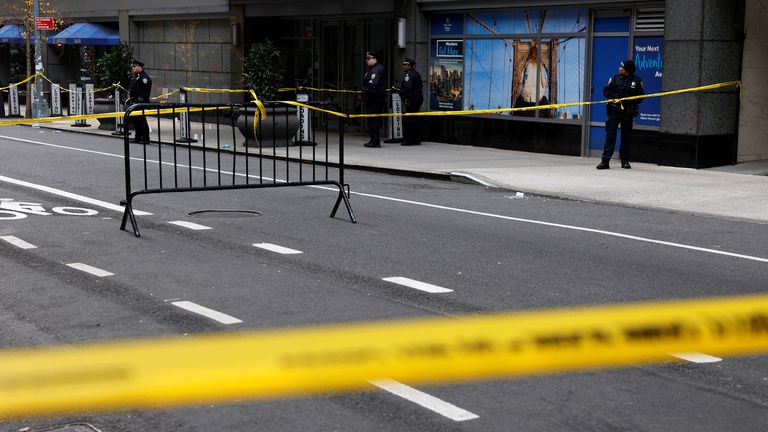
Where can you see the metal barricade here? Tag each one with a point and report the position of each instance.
(218, 162)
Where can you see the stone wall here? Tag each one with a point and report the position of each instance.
(753, 127)
(702, 45)
(190, 53)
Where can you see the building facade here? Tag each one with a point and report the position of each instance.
(478, 55)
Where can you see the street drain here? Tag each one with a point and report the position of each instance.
(225, 213)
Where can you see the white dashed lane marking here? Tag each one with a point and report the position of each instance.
(89, 269)
(697, 357)
(18, 242)
(425, 400)
(277, 249)
(206, 312)
(421, 286)
(190, 225)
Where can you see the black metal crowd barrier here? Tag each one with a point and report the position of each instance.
(211, 161)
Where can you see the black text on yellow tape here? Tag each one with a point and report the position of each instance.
(153, 373)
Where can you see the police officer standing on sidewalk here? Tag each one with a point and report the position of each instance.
(412, 96)
(623, 113)
(141, 88)
(374, 97)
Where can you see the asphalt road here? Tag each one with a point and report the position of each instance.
(494, 251)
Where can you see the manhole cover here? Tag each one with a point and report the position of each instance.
(225, 213)
(74, 427)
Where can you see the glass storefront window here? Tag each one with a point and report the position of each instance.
(563, 61)
(514, 22)
(506, 64)
(488, 69)
(564, 21)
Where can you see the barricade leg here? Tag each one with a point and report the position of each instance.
(343, 197)
(128, 214)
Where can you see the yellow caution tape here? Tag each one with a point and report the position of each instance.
(262, 110)
(24, 81)
(277, 363)
(146, 112)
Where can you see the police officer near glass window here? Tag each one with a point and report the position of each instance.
(374, 96)
(141, 87)
(625, 84)
(412, 96)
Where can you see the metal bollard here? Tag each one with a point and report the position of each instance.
(396, 122)
(119, 119)
(14, 109)
(304, 134)
(55, 100)
(78, 100)
(184, 129)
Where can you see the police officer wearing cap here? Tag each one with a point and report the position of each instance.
(374, 96)
(141, 87)
(623, 113)
(412, 95)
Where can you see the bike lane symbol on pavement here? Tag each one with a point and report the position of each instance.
(11, 209)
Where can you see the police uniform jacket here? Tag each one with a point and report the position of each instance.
(375, 83)
(141, 87)
(411, 90)
(621, 87)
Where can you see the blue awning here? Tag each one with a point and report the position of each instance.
(86, 34)
(12, 34)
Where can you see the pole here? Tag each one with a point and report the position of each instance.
(39, 103)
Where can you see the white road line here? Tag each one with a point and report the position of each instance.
(18, 242)
(209, 313)
(89, 269)
(439, 207)
(697, 357)
(70, 195)
(277, 248)
(425, 400)
(421, 286)
(190, 225)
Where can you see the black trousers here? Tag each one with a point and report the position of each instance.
(374, 106)
(141, 127)
(412, 126)
(616, 118)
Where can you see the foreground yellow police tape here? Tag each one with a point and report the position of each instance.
(287, 362)
(351, 116)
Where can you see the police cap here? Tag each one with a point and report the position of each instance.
(370, 55)
(135, 62)
(629, 66)
(409, 61)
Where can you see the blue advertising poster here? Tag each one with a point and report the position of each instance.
(446, 74)
(648, 59)
(447, 25)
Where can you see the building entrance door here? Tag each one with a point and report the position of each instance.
(344, 43)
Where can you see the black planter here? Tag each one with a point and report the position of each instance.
(105, 105)
(278, 129)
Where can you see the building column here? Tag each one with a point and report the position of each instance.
(702, 45)
(753, 128)
(416, 37)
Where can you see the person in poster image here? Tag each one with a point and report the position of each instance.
(412, 96)
(374, 97)
(625, 84)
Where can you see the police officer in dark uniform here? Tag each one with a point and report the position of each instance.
(625, 84)
(141, 87)
(412, 95)
(374, 96)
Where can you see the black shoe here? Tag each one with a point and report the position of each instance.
(372, 145)
(603, 165)
(407, 144)
(626, 165)
(135, 141)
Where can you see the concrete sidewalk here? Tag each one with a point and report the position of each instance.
(735, 192)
